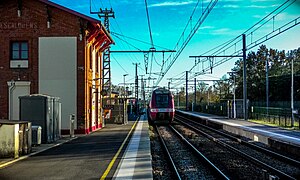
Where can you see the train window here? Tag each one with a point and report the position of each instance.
(162, 100)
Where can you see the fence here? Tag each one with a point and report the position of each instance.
(277, 116)
(278, 113)
(219, 109)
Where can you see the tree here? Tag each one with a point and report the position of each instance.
(279, 74)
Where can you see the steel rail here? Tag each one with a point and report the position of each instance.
(214, 168)
(264, 150)
(176, 173)
(240, 153)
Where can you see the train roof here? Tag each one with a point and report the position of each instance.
(161, 91)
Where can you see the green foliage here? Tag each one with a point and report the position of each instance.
(279, 74)
(279, 79)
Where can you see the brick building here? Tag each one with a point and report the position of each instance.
(48, 49)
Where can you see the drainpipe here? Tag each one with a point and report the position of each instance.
(12, 86)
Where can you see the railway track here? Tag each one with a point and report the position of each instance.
(185, 160)
(265, 164)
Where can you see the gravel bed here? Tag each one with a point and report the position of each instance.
(289, 169)
(160, 165)
(231, 164)
(188, 164)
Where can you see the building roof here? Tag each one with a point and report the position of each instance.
(95, 22)
(92, 20)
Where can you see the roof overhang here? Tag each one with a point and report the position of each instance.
(98, 34)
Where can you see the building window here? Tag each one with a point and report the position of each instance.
(19, 51)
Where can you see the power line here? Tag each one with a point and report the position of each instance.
(233, 43)
(127, 42)
(119, 64)
(130, 57)
(114, 33)
(180, 47)
(148, 18)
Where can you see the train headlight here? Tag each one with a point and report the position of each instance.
(153, 110)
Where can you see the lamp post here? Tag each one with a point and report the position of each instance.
(234, 101)
(124, 102)
(124, 75)
(292, 91)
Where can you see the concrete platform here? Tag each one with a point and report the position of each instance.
(136, 162)
(275, 137)
(114, 152)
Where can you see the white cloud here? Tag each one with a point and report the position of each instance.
(231, 6)
(258, 16)
(285, 16)
(256, 6)
(222, 30)
(207, 27)
(170, 3)
(262, 0)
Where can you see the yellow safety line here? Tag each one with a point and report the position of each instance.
(31, 154)
(117, 154)
(13, 161)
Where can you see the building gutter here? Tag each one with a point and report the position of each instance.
(12, 86)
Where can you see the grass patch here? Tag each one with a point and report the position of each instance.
(296, 124)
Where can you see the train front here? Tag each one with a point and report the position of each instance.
(161, 107)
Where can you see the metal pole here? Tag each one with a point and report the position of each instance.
(292, 92)
(124, 75)
(186, 91)
(208, 95)
(137, 87)
(234, 105)
(124, 102)
(244, 79)
(195, 95)
(178, 102)
(267, 84)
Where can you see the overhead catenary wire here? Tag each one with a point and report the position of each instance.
(249, 32)
(119, 29)
(139, 40)
(232, 43)
(180, 47)
(149, 26)
(128, 44)
(119, 64)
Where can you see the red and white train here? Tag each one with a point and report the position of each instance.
(161, 106)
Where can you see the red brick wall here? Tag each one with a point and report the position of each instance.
(30, 26)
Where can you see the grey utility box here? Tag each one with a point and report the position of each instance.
(43, 111)
(36, 135)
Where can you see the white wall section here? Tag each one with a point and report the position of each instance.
(57, 73)
(16, 89)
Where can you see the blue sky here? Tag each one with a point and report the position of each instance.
(227, 20)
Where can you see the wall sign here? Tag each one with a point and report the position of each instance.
(15, 25)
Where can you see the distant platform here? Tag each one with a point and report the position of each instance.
(275, 137)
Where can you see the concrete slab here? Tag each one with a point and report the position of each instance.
(136, 162)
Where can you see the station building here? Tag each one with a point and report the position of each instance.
(49, 49)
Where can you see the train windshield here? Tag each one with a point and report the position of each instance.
(162, 100)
